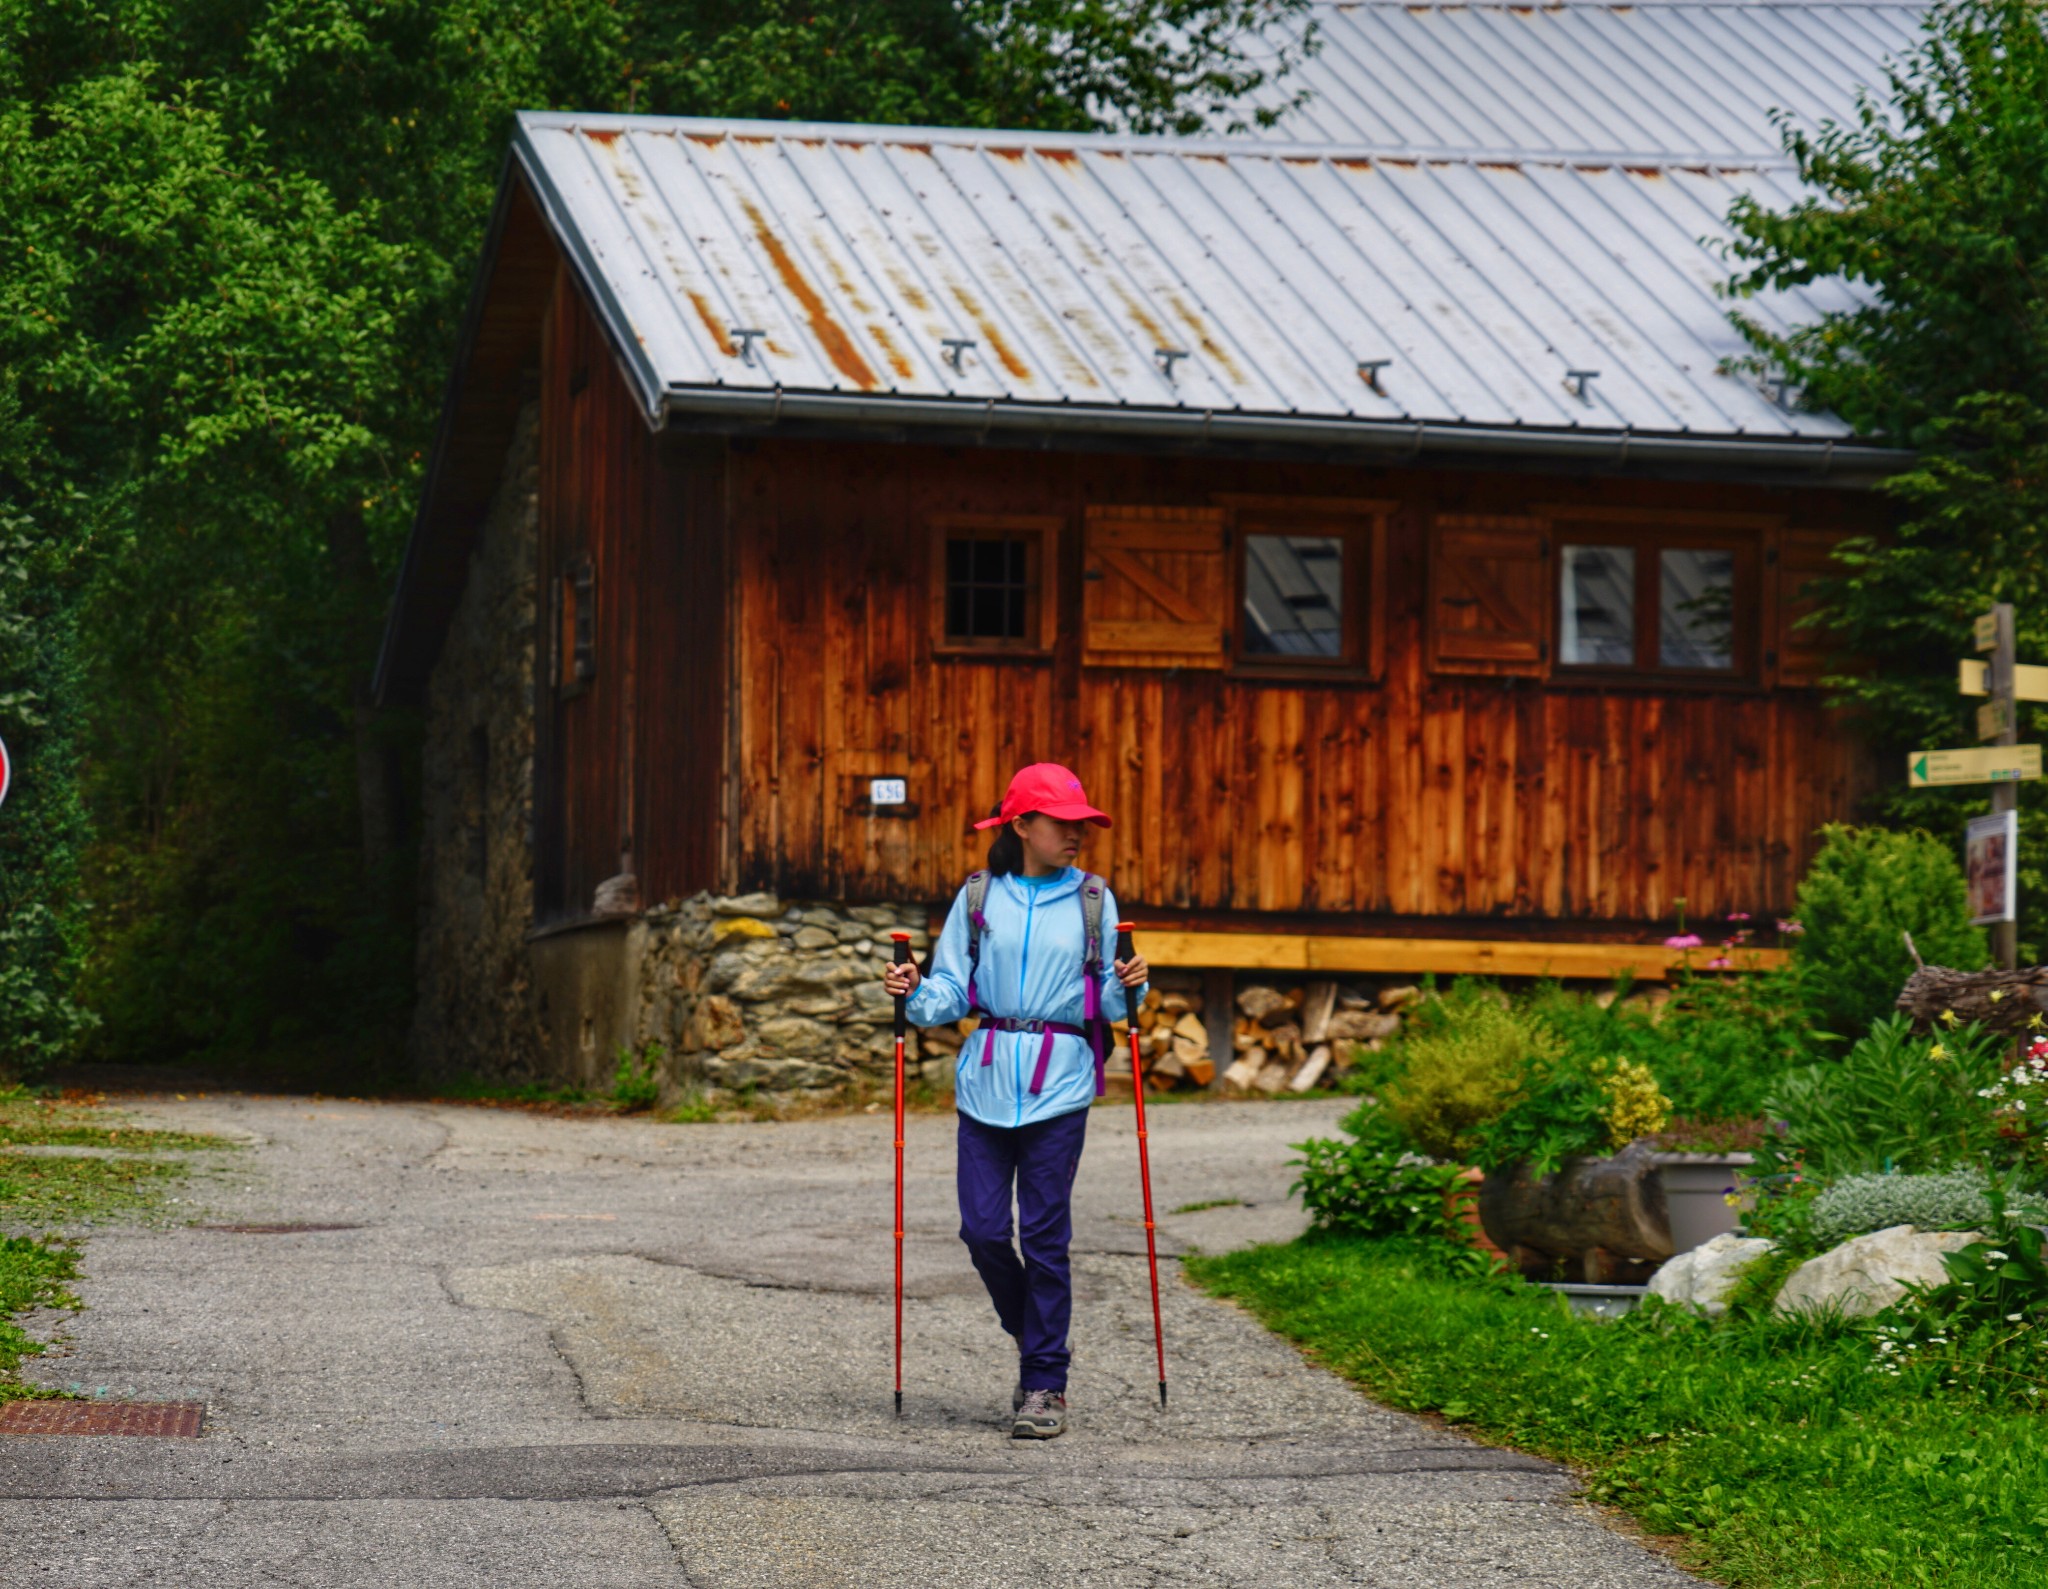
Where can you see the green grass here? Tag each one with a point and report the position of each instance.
(1772, 1447)
(32, 1275)
(1208, 1203)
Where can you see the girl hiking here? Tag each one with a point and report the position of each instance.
(1023, 948)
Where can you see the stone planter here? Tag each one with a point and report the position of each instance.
(1603, 1218)
(1600, 1302)
(1696, 1189)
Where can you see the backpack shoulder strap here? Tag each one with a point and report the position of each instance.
(977, 896)
(1092, 890)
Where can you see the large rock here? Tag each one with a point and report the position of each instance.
(1704, 1277)
(1870, 1273)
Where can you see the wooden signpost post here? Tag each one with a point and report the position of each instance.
(2002, 764)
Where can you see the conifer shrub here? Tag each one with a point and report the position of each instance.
(1866, 889)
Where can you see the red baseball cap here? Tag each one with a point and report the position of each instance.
(1045, 786)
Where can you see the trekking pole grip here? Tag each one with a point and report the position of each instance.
(901, 957)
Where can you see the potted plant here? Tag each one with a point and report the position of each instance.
(1567, 1180)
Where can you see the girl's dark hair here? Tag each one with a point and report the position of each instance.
(1006, 854)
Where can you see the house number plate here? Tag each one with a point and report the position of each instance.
(887, 791)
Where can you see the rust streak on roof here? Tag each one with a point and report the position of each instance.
(601, 134)
(1065, 157)
(1204, 339)
(712, 323)
(899, 361)
(1004, 352)
(832, 337)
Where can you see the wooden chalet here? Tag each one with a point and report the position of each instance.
(1386, 541)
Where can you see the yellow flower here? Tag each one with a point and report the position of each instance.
(1636, 1105)
(1949, 1016)
(1995, 995)
(1937, 1052)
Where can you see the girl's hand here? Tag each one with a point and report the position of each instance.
(1133, 973)
(901, 981)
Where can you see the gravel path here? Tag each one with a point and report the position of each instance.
(591, 1353)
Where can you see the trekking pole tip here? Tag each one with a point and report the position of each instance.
(1162, 1395)
(899, 1404)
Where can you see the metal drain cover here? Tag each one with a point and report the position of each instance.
(177, 1418)
(275, 1230)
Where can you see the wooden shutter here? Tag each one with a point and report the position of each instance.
(1797, 655)
(1155, 588)
(1490, 594)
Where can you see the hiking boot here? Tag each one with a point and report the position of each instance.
(1043, 1415)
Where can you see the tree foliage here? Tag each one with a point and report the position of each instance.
(1931, 200)
(235, 241)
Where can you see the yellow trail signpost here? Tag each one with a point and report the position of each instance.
(1935, 769)
(1994, 839)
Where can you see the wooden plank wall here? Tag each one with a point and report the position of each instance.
(1422, 796)
(626, 769)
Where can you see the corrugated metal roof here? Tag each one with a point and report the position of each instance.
(1670, 78)
(1045, 272)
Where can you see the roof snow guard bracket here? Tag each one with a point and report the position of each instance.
(1369, 372)
(746, 337)
(1579, 383)
(1168, 357)
(957, 349)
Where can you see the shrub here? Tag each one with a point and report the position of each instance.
(1567, 1108)
(1717, 1047)
(1866, 888)
(1859, 1204)
(1895, 1101)
(1371, 1189)
(636, 1083)
(1463, 1057)
(1985, 1328)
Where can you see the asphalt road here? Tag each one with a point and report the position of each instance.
(609, 1354)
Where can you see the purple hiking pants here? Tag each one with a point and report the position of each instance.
(1034, 1298)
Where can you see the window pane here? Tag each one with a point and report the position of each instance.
(1597, 606)
(1696, 609)
(988, 612)
(1294, 595)
(988, 589)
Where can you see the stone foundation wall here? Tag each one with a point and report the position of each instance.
(477, 1010)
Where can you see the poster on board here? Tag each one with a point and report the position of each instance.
(1991, 856)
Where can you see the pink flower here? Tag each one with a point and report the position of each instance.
(1738, 915)
(1720, 963)
(1683, 940)
(1790, 929)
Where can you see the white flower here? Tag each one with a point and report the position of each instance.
(2014, 1318)
(1995, 1256)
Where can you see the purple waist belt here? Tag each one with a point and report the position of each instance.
(1094, 1034)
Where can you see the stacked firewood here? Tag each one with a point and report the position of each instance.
(1294, 1038)
(1173, 1042)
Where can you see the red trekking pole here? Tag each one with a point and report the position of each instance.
(1125, 951)
(902, 957)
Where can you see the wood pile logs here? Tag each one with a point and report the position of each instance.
(1282, 1038)
(1173, 1040)
(1295, 1038)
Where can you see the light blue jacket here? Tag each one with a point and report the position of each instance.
(1031, 955)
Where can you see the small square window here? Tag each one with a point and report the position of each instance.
(1294, 596)
(1696, 608)
(1597, 606)
(989, 577)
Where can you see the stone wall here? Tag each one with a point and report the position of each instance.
(477, 1010)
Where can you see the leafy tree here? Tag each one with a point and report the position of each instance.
(236, 238)
(1932, 200)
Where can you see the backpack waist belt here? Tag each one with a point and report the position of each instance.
(1010, 1023)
